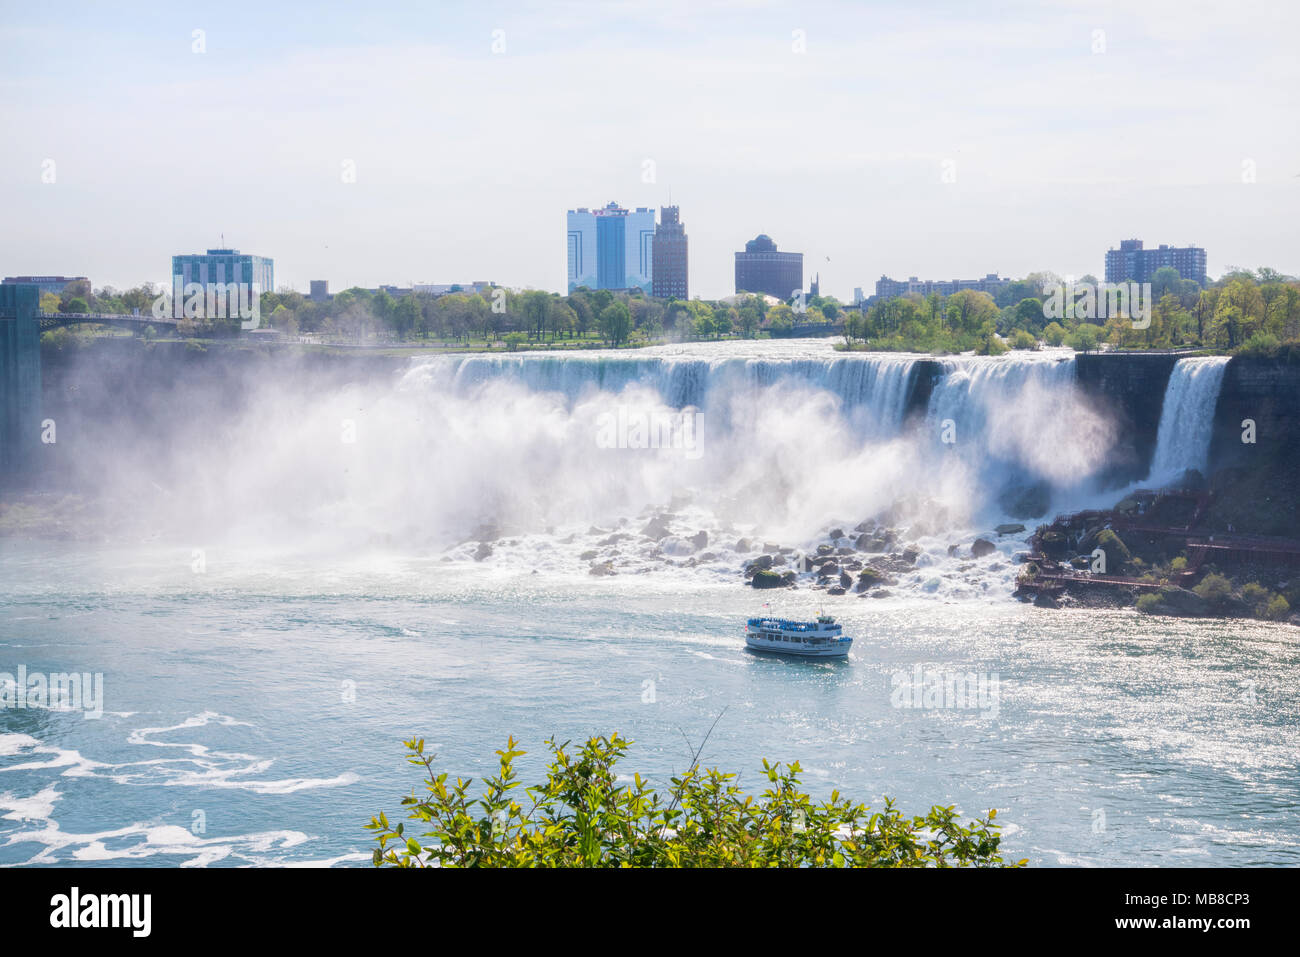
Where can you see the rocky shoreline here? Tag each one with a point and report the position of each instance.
(1174, 551)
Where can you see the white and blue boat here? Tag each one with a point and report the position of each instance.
(822, 638)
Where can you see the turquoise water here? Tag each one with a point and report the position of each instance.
(254, 712)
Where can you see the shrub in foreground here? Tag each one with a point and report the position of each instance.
(579, 816)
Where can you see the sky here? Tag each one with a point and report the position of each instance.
(377, 142)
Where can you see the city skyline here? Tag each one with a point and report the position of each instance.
(1167, 254)
(1074, 127)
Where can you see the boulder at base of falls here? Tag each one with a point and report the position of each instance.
(760, 564)
(601, 569)
(1027, 501)
(1009, 529)
(767, 579)
(836, 590)
(846, 580)
(1054, 544)
(911, 553)
(744, 545)
(482, 552)
(870, 577)
(656, 528)
(982, 547)
(700, 539)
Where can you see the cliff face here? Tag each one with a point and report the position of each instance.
(925, 373)
(1267, 392)
(1131, 389)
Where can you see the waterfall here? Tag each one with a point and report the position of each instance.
(872, 390)
(1187, 418)
(784, 436)
(973, 389)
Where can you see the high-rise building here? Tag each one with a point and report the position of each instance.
(761, 269)
(1132, 263)
(611, 248)
(670, 259)
(320, 290)
(225, 266)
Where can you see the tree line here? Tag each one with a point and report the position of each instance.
(1255, 312)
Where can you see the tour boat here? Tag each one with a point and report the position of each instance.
(809, 639)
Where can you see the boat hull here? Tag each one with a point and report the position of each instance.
(837, 648)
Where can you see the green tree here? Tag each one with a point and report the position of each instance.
(1084, 337)
(1028, 315)
(1165, 281)
(536, 307)
(405, 316)
(1023, 340)
(579, 815)
(615, 322)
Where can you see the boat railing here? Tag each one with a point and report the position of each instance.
(785, 624)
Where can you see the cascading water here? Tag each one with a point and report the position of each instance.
(872, 390)
(792, 439)
(1017, 421)
(1187, 418)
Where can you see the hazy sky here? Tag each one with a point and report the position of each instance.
(1067, 126)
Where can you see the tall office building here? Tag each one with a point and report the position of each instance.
(611, 248)
(761, 269)
(225, 266)
(670, 260)
(1132, 263)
